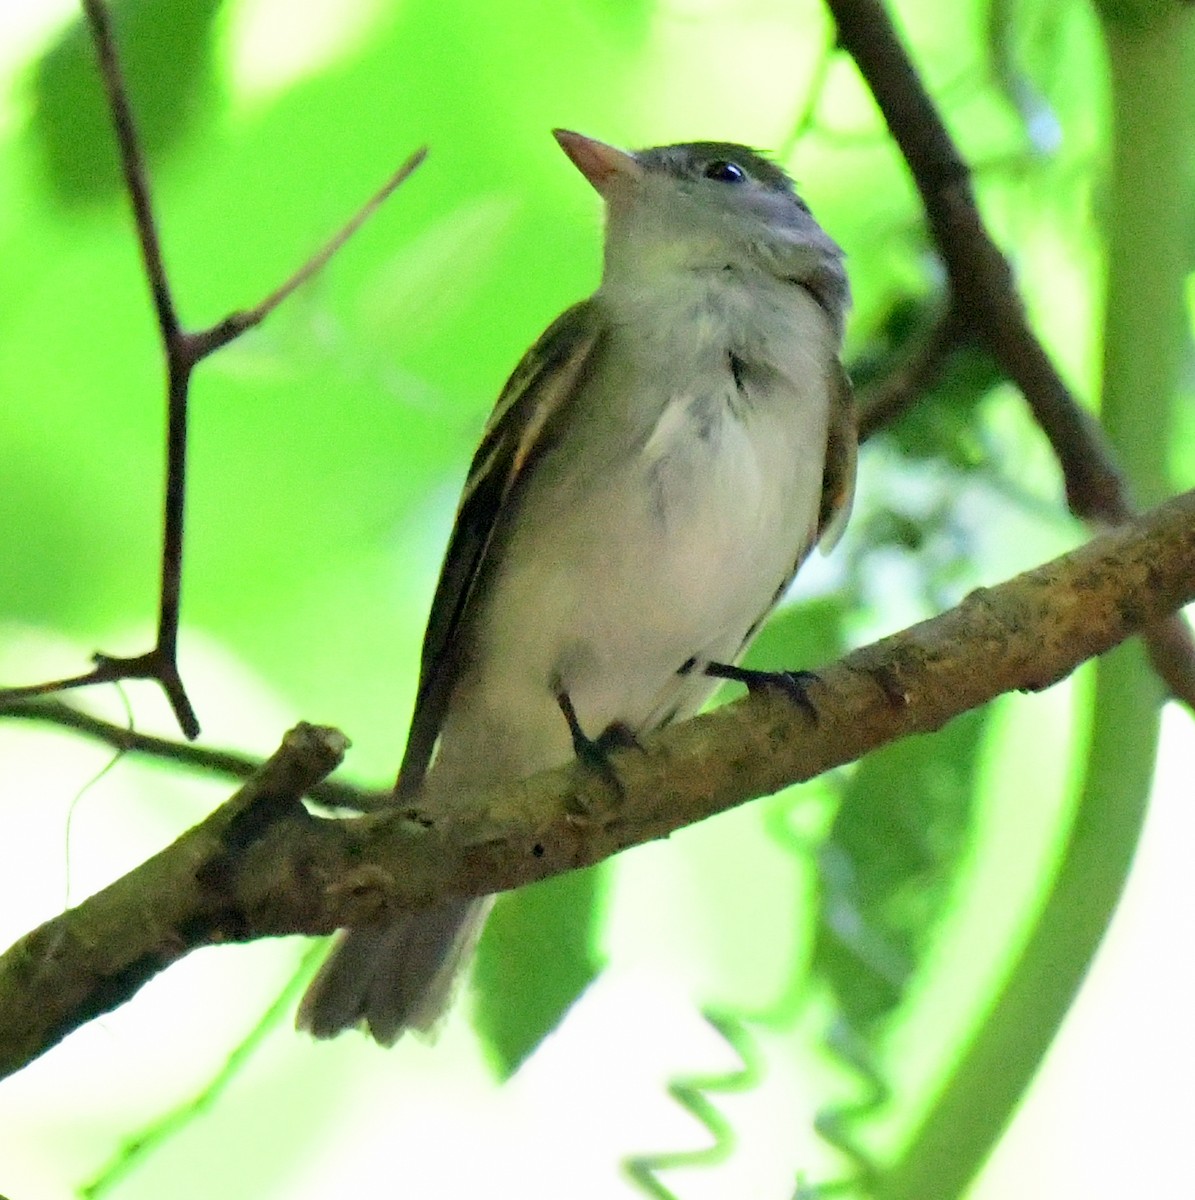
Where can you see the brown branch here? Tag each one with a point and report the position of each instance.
(132, 166)
(985, 297)
(307, 754)
(262, 866)
(183, 350)
(232, 764)
(914, 372)
(235, 324)
(980, 276)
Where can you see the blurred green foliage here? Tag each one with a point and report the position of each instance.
(167, 51)
(886, 867)
(534, 959)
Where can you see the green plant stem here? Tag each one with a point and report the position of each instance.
(1149, 217)
(1152, 61)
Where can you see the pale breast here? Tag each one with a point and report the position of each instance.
(662, 527)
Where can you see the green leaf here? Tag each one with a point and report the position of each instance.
(800, 636)
(888, 865)
(946, 424)
(535, 958)
(165, 52)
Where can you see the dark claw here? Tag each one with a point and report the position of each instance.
(594, 753)
(617, 736)
(794, 684)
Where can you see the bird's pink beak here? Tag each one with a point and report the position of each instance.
(606, 167)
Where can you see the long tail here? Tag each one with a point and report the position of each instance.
(393, 977)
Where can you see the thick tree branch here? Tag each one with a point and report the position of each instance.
(183, 351)
(262, 866)
(119, 949)
(985, 298)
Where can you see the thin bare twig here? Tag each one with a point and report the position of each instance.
(232, 764)
(132, 166)
(888, 398)
(183, 350)
(815, 85)
(237, 323)
(985, 297)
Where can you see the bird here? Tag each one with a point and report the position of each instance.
(654, 472)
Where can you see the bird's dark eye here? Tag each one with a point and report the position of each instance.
(725, 171)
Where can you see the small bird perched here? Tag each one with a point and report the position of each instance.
(656, 469)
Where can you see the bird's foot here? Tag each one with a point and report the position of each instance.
(594, 753)
(793, 684)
